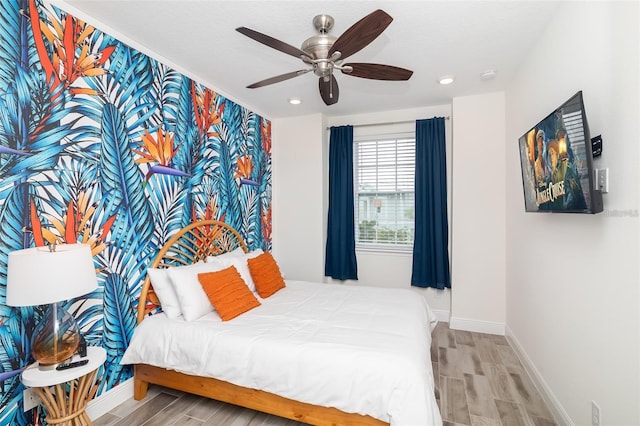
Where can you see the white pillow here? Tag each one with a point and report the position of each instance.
(164, 290)
(254, 253)
(194, 302)
(238, 252)
(241, 265)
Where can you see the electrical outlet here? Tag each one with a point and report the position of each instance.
(595, 414)
(30, 399)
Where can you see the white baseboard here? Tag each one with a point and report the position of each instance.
(557, 411)
(477, 326)
(441, 315)
(110, 399)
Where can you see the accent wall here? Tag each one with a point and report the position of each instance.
(103, 145)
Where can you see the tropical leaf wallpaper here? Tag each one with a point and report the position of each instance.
(102, 145)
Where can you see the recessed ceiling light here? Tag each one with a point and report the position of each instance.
(446, 79)
(488, 75)
(294, 101)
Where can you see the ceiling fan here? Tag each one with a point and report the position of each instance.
(324, 53)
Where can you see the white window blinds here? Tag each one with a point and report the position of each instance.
(384, 191)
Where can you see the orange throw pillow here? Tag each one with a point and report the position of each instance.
(266, 274)
(228, 292)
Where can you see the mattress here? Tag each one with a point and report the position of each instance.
(360, 350)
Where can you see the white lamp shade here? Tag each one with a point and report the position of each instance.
(38, 276)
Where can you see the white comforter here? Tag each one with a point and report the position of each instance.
(362, 350)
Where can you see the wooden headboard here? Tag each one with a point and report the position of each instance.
(191, 244)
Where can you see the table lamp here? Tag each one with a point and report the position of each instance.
(51, 275)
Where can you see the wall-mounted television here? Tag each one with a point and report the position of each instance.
(557, 162)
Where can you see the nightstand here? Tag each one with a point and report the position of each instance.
(65, 393)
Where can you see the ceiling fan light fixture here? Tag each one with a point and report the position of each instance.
(295, 101)
(446, 79)
(324, 53)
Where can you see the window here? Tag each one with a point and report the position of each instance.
(384, 187)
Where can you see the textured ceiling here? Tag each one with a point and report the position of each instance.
(432, 38)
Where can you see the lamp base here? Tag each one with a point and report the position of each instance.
(49, 367)
(55, 339)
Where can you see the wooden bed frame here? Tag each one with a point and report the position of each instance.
(191, 244)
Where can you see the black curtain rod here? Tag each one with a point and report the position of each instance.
(388, 123)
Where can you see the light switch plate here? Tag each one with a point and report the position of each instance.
(602, 180)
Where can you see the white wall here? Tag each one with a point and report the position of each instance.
(573, 280)
(394, 270)
(299, 173)
(298, 201)
(478, 269)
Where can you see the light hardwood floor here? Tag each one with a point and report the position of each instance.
(479, 382)
(482, 383)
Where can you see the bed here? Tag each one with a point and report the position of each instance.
(323, 354)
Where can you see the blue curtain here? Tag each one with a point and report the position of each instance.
(340, 255)
(431, 239)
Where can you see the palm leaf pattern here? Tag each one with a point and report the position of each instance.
(190, 143)
(121, 179)
(249, 199)
(119, 321)
(17, 323)
(166, 199)
(228, 188)
(68, 171)
(197, 153)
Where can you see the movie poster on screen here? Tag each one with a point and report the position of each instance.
(554, 161)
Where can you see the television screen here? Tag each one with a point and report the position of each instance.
(557, 162)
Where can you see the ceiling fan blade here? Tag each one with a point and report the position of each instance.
(378, 71)
(272, 42)
(329, 90)
(361, 33)
(277, 79)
